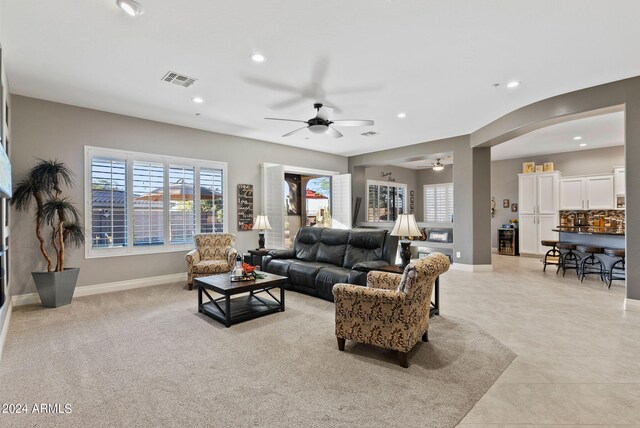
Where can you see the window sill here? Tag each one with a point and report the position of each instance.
(121, 252)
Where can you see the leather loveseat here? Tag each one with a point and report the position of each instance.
(322, 257)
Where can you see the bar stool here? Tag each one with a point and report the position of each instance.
(569, 259)
(591, 264)
(553, 255)
(617, 266)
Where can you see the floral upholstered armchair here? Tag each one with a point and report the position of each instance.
(392, 311)
(213, 254)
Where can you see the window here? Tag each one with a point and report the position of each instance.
(139, 203)
(438, 203)
(385, 200)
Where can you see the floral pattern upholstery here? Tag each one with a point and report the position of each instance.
(213, 254)
(392, 311)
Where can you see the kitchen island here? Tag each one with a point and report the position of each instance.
(597, 236)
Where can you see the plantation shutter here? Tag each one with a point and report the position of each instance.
(108, 203)
(341, 201)
(438, 203)
(148, 203)
(182, 194)
(211, 200)
(273, 204)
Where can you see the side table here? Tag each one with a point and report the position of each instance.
(255, 256)
(435, 303)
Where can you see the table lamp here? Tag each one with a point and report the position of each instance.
(405, 226)
(261, 224)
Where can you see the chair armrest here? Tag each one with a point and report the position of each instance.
(383, 280)
(231, 256)
(357, 293)
(369, 266)
(283, 254)
(192, 257)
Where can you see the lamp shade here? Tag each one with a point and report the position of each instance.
(261, 223)
(406, 226)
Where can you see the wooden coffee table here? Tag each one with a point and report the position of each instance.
(258, 302)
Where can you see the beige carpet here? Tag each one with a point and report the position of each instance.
(145, 357)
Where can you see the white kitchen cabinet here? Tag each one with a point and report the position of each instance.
(528, 233)
(571, 194)
(538, 201)
(619, 187)
(599, 193)
(587, 193)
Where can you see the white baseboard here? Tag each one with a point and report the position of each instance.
(471, 268)
(632, 305)
(109, 287)
(5, 327)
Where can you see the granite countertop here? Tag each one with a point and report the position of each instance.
(591, 230)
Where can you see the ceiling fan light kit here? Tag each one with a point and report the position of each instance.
(438, 166)
(321, 123)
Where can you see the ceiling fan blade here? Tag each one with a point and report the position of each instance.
(285, 120)
(274, 86)
(353, 122)
(290, 102)
(333, 132)
(295, 132)
(325, 113)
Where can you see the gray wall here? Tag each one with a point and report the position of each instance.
(504, 175)
(471, 165)
(43, 129)
(402, 175)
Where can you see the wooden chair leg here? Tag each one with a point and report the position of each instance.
(341, 342)
(190, 286)
(402, 357)
(425, 336)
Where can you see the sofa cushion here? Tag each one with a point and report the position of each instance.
(333, 245)
(307, 242)
(304, 273)
(330, 275)
(363, 246)
(280, 266)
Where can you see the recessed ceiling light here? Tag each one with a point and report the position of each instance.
(258, 57)
(583, 145)
(577, 137)
(131, 7)
(198, 100)
(513, 84)
(402, 115)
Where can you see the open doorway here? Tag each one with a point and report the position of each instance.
(294, 197)
(564, 182)
(307, 200)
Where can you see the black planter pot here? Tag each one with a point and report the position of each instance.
(56, 288)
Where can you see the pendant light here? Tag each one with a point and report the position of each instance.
(438, 166)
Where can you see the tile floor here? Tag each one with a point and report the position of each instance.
(578, 352)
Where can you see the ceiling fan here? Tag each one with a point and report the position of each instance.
(321, 123)
(438, 166)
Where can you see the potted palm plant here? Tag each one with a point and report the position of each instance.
(57, 225)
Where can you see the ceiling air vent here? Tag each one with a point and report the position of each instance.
(370, 133)
(179, 79)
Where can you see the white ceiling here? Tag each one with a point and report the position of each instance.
(597, 132)
(427, 161)
(434, 60)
